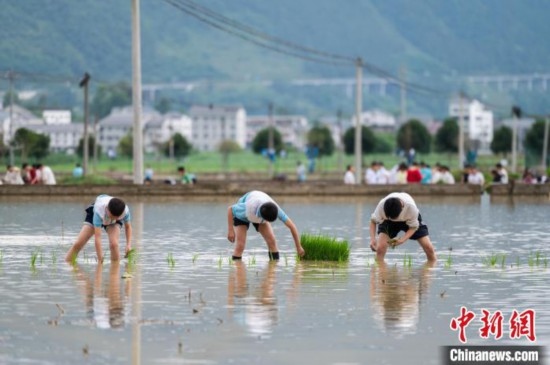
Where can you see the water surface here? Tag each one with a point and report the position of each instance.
(207, 310)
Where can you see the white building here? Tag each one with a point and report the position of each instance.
(478, 121)
(159, 130)
(212, 124)
(22, 118)
(378, 120)
(120, 123)
(63, 137)
(293, 128)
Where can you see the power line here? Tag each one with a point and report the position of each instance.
(283, 46)
(247, 36)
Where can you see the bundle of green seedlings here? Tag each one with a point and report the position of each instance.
(320, 247)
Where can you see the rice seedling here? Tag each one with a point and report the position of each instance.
(73, 260)
(132, 256)
(54, 257)
(34, 257)
(407, 260)
(537, 259)
(324, 248)
(1, 256)
(220, 261)
(494, 259)
(170, 260)
(195, 257)
(448, 262)
(286, 259)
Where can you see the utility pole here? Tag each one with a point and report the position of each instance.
(403, 85)
(270, 140)
(136, 94)
(461, 130)
(516, 113)
(10, 129)
(358, 111)
(545, 144)
(96, 137)
(340, 163)
(84, 84)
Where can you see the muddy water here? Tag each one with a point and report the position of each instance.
(204, 309)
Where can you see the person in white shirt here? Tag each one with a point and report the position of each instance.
(46, 175)
(108, 213)
(475, 176)
(394, 213)
(446, 175)
(13, 176)
(371, 174)
(349, 176)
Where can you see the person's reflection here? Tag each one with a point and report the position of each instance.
(253, 304)
(396, 295)
(105, 304)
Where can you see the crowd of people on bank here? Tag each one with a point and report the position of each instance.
(37, 174)
(422, 173)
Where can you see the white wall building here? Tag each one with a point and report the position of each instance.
(293, 128)
(478, 121)
(22, 118)
(378, 120)
(212, 124)
(63, 137)
(119, 123)
(159, 130)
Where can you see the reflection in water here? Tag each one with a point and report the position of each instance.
(254, 306)
(104, 302)
(396, 296)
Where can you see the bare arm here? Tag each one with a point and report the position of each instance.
(372, 230)
(406, 236)
(98, 249)
(128, 233)
(230, 229)
(295, 236)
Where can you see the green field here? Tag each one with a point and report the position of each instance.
(245, 162)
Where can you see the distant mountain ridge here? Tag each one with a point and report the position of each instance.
(432, 39)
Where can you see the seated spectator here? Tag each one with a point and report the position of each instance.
(383, 174)
(13, 176)
(426, 173)
(371, 177)
(46, 175)
(446, 175)
(78, 171)
(401, 174)
(502, 174)
(475, 176)
(148, 175)
(186, 178)
(529, 177)
(349, 176)
(414, 176)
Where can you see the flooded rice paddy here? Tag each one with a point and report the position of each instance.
(201, 308)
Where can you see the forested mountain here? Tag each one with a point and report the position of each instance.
(435, 41)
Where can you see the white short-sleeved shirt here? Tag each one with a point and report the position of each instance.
(100, 212)
(248, 206)
(409, 214)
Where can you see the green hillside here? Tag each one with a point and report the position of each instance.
(436, 40)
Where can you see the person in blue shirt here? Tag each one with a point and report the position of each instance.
(260, 209)
(108, 213)
(78, 171)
